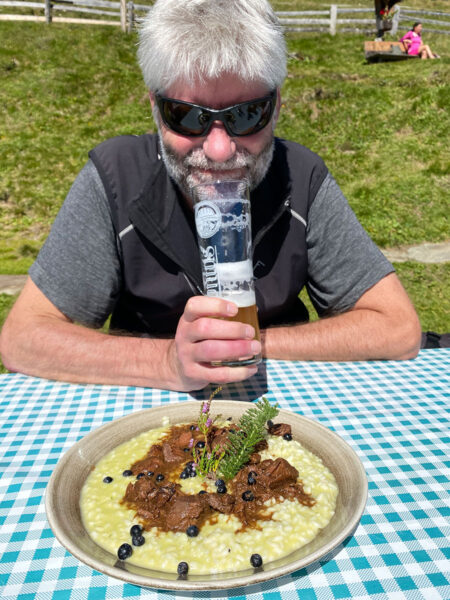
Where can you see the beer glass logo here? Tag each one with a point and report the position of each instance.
(208, 219)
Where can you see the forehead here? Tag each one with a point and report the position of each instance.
(218, 93)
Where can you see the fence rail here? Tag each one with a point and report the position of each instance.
(127, 15)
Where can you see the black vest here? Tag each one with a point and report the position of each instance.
(157, 241)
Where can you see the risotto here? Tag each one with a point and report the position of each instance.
(223, 542)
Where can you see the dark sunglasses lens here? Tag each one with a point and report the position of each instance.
(185, 119)
(249, 118)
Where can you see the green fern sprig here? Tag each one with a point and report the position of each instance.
(241, 443)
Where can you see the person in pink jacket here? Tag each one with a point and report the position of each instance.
(414, 45)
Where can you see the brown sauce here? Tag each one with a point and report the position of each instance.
(159, 501)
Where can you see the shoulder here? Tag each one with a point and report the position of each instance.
(305, 167)
(295, 151)
(126, 147)
(126, 164)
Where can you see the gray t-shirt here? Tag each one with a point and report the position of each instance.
(79, 268)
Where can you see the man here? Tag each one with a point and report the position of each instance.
(382, 7)
(124, 241)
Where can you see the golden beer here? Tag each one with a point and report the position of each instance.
(249, 315)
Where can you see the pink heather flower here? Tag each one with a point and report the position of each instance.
(191, 442)
(205, 407)
(208, 422)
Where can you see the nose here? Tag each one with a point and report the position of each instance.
(218, 145)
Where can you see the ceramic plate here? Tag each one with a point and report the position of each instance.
(63, 497)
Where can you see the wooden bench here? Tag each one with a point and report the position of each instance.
(385, 51)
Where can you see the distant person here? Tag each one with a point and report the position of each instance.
(382, 8)
(414, 45)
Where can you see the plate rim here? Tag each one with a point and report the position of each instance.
(186, 584)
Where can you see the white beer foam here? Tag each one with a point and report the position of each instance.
(235, 271)
(232, 272)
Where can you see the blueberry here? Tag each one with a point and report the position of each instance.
(127, 473)
(184, 474)
(125, 551)
(182, 568)
(221, 489)
(248, 496)
(138, 540)
(136, 530)
(251, 478)
(269, 425)
(192, 531)
(219, 482)
(150, 473)
(287, 437)
(186, 449)
(107, 479)
(200, 444)
(140, 475)
(192, 427)
(201, 492)
(193, 473)
(256, 560)
(159, 477)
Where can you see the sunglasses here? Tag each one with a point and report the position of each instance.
(192, 120)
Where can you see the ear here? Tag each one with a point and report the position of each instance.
(151, 95)
(277, 107)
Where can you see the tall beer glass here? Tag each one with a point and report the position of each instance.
(223, 222)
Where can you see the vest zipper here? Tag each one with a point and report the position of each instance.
(196, 290)
(262, 232)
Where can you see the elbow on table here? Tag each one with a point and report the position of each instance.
(407, 337)
(5, 350)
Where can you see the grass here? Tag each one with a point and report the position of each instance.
(381, 128)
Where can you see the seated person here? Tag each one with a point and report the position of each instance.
(414, 45)
(124, 242)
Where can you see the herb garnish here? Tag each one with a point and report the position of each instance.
(241, 443)
(206, 460)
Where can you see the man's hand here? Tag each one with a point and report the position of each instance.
(204, 335)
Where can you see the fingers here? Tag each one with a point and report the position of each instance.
(219, 350)
(204, 306)
(205, 336)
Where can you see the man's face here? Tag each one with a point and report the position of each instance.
(193, 160)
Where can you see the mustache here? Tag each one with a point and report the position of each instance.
(197, 159)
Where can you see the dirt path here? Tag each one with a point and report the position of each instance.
(425, 253)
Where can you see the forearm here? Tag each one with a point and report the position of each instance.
(60, 350)
(38, 339)
(355, 335)
(382, 325)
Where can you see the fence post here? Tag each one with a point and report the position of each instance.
(395, 20)
(130, 11)
(48, 11)
(333, 18)
(123, 15)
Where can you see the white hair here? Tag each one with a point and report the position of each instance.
(194, 40)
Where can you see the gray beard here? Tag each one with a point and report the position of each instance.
(183, 169)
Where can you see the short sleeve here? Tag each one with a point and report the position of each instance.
(78, 267)
(343, 262)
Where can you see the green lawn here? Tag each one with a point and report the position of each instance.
(381, 128)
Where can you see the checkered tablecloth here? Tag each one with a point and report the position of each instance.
(395, 415)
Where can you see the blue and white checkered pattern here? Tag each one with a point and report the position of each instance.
(395, 415)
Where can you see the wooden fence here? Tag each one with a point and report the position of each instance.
(127, 15)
